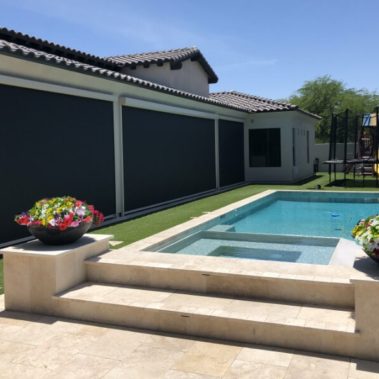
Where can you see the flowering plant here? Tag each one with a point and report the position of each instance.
(60, 213)
(366, 233)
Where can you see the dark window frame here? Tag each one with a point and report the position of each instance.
(265, 147)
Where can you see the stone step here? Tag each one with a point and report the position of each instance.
(226, 277)
(312, 328)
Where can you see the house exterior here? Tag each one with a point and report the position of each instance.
(133, 133)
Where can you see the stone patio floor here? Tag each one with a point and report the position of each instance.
(33, 346)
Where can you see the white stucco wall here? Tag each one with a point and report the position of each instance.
(287, 173)
(191, 77)
(322, 153)
(303, 123)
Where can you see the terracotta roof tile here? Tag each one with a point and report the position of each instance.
(255, 104)
(53, 48)
(160, 57)
(251, 103)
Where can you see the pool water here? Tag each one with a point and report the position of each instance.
(319, 218)
(261, 247)
(286, 226)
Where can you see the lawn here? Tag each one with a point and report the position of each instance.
(134, 230)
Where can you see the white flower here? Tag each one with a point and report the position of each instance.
(80, 211)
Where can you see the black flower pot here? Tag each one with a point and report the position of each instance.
(52, 236)
(374, 257)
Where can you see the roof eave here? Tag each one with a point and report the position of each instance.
(287, 110)
(195, 56)
(212, 77)
(315, 116)
(135, 82)
(53, 48)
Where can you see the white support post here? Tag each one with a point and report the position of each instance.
(118, 156)
(217, 153)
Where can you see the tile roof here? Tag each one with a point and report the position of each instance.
(53, 48)
(31, 48)
(255, 104)
(160, 57)
(251, 103)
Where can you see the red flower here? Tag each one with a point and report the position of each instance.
(62, 226)
(22, 219)
(98, 217)
(87, 219)
(68, 218)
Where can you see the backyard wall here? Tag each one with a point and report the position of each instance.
(322, 153)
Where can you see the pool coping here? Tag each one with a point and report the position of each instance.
(340, 271)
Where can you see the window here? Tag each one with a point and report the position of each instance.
(264, 148)
(307, 146)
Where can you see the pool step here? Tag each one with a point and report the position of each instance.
(223, 277)
(319, 329)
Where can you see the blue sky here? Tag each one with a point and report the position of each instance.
(267, 47)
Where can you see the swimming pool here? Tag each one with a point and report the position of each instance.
(288, 226)
(325, 214)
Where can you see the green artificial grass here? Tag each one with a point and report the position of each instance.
(136, 229)
(1, 277)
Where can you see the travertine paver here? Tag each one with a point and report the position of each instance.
(250, 370)
(317, 367)
(208, 358)
(277, 356)
(253, 310)
(33, 346)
